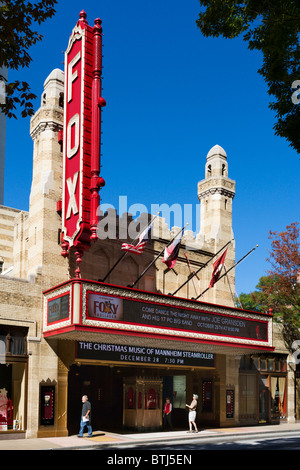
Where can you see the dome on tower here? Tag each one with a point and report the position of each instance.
(53, 89)
(216, 150)
(56, 75)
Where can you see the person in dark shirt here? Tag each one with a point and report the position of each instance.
(85, 417)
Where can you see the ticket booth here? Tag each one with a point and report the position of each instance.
(142, 403)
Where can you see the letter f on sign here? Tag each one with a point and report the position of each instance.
(72, 206)
(72, 75)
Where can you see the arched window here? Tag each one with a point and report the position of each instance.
(151, 399)
(224, 170)
(61, 100)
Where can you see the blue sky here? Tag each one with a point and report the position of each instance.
(172, 95)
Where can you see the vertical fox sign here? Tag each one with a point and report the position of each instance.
(81, 138)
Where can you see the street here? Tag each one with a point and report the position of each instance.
(274, 441)
(190, 452)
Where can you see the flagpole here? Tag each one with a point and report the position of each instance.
(152, 262)
(239, 299)
(192, 272)
(201, 267)
(226, 272)
(227, 277)
(124, 254)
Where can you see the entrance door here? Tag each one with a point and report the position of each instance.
(264, 403)
(104, 388)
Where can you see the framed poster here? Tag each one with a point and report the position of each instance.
(229, 403)
(47, 405)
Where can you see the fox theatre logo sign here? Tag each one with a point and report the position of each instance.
(81, 138)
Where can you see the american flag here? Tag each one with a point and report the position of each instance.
(139, 247)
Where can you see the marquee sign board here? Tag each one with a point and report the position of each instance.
(123, 310)
(81, 136)
(142, 354)
(98, 310)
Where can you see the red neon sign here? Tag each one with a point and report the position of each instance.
(81, 137)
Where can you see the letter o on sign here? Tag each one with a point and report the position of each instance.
(74, 121)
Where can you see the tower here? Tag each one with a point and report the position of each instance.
(216, 193)
(44, 222)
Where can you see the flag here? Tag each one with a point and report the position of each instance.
(171, 252)
(139, 247)
(217, 268)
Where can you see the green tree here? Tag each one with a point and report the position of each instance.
(271, 27)
(17, 35)
(264, 298)
(280, 289)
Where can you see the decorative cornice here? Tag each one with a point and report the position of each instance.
(46, 117)
(42, 126)
(211, 191)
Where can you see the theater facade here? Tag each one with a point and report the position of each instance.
(126, 334)
(129, 349)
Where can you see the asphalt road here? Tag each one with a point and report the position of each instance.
(279, 441)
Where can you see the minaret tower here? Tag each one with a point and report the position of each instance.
(216, 193)
(44, 221)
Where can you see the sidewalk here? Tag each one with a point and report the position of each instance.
(108, 440)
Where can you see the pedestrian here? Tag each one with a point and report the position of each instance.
(192, 414)
(85, 417)
(168, 414)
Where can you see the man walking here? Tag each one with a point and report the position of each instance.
(85, 417)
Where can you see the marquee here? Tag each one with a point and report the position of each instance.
(81, 310)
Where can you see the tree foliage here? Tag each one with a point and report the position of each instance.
(18, 19)
(280, 289)
(258, 301)
(273, 28)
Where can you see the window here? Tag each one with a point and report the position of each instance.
(12, 341)
(12, 395)
(263, 363)
(61, 100)
(13, 367)
(151, 403)
(282, 365)
(278, 397)
(274, 363)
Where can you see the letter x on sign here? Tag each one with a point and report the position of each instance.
(72, 206)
